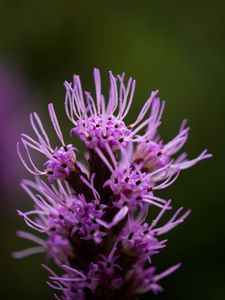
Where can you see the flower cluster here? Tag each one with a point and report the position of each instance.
(93, 213)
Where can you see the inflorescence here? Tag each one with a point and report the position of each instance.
(93, 213)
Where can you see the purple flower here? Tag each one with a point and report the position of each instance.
(61, 161)
(93, 214)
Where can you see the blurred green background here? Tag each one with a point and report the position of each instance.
(177, 47)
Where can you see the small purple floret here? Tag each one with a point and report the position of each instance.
(98, 131)
(62, 163)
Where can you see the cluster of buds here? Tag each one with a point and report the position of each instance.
(93, 211)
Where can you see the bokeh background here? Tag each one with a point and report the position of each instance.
(177, 47)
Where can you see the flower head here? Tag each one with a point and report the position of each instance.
(94, 214)
(60, 161)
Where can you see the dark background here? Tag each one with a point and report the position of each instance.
(177, 47)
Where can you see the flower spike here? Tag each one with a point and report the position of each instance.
(100, 219)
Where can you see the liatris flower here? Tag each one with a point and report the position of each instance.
(93, 213)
